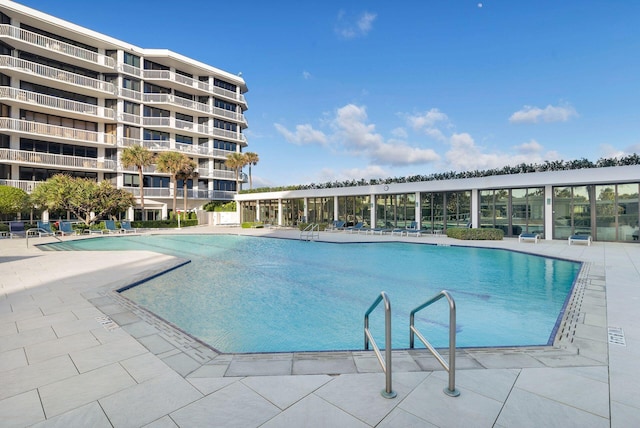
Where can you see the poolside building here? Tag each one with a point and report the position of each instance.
(72, 99)
(600, 202)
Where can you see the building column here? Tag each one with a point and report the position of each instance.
(418, 211)
(335, 208)
(372, 210)
(279, 220)
(475, 208)
(548, 212)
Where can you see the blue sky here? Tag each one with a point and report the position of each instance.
(354, 89)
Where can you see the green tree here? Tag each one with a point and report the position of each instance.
(189, 171)
(251, 158)
(82, 197)
(236, 161)
(140, 157)
(13, 200)
(172, 163)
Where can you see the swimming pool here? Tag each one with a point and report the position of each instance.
(255, 294)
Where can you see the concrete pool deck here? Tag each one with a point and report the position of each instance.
(72, 353)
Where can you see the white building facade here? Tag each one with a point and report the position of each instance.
(72, 99)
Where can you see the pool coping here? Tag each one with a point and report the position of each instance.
(580, 341)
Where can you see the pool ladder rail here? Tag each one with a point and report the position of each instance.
(311, 232)
(388, 392)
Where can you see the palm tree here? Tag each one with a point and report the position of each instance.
(172, 163)
(189, 171)
(236, 161)
(251, 159)
(140, 157)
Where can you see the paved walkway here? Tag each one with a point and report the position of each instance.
(75, 354)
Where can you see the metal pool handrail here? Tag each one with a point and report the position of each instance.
(310, 232)
(386, 363)
(451, 367)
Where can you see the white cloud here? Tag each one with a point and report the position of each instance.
(609, 151)
(399, 133)
(359, 138)
(350, 29)
(306, 75)
(465, 155)
(530, 114)
(429, 123)
(371, 171)
(304, 134)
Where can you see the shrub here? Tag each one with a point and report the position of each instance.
(252, 224)
(475, 234)
(162, 224)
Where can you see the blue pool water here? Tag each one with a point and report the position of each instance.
(252, 294)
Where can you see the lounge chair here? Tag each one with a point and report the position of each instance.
(379, 230)
(66, 229)
(43, 229)
(16, 228)
(336, 225)
(110, 227)
(125, 227)
(417, 232)
(527, 236)
(356, 227)
(580, 238)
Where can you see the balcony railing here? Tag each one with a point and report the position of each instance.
(170, 122)
(26, 185)
(129, 93)
(46, 130)
(229, 134)
(50, 159)
(191, 148)
(54, 45)
(164, 192)
(178, 78)
(129, 69)
(56, 103)
(55, 74)
(131, 118)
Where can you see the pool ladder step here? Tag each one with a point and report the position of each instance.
(311, 232)
(385, 362)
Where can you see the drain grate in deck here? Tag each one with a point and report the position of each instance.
(616, 336)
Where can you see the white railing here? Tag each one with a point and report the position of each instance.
(228, 114)
(157, 145)
(47, 130)
(55, 74)
(221, 173)
(38, 158)
(26, 185)
(56, 103)
(177, 101)
(131, 118)
(129, 69)
(178, 78)
(156, 121)
(229, 134)
(229, 94)
(221, 153)
(129, 93)
(54, 45)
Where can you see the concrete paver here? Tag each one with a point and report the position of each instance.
(57, 361)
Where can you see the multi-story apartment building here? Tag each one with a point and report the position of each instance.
(72, 99)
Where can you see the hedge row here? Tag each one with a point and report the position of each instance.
(475, 234)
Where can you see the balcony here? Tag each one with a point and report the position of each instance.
(53, 48)
(233, 135)
(131, 94)
(188, 128)
(164, 192)
(129, 69)
(26, 185)
(24, 157)
(130, 118)
(55, 77)
(177, 81)
(50, 132)
(161, 146)
(47, 103)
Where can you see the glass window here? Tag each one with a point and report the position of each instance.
(132, 59)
